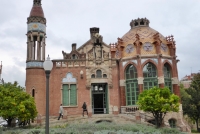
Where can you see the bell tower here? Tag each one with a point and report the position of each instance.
(36, 35)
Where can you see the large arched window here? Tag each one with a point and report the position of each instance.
(69, 90)
(150, 76)
(132, 90)
(167, 76)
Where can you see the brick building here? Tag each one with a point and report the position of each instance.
(186, 81)
(108, 77)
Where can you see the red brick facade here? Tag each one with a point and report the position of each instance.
(103, 66)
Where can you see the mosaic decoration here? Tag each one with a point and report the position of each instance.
(117, 54)
(36, 27)
(69, 78)
(148, 48)
(164, 47)
(129, 48)
(153, 59)
(34, 64)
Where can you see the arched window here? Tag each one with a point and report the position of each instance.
(172, 123)
(104, 76)
(33, 93)
(69, 90)
(93, 76)
(132, 90)
(74, 56)
(167, 76)
(99, 74)
(150, 76)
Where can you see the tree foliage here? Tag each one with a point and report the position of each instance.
(15, 103)
(158, 101)
(191, 101)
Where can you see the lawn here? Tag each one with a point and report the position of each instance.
(94, 128)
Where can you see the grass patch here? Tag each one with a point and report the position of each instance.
(194, 131)
(98, 128)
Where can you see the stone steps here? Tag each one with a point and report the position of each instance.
(53, 121)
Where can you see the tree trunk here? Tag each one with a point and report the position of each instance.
(9, 122)
(157, 124)
(197, 123)
(157, 118)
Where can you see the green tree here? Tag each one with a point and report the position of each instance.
(158, 101)
(191, 103)
(15, 103)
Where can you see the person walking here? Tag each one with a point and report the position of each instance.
(60, 112)
(84, 108)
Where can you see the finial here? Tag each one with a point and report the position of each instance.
(48, 58)
(139, 22)
(37, 3)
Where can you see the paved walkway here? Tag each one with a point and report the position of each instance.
(119, 119)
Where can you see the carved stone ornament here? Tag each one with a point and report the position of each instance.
(90, 56)
(88, 87)
(160, 80)
(140, 80)
(122, 83)
(110, 85)
(175, 80)
(98, 52)
(106, 55)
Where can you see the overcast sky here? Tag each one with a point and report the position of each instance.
(68, 21)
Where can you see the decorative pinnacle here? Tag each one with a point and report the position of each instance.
(48, 58)
(37, 3)
(139, 22)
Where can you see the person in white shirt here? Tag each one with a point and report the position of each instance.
(60, 112)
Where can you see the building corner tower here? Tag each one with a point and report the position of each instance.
(35, 75)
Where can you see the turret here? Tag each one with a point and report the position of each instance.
(36, 34)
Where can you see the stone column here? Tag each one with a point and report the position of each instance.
(38, 48)
(32, 50)
(43, 49)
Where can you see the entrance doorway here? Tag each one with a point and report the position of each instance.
(99, 98)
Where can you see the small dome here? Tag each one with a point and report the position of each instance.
(37, 9)
(141, 27)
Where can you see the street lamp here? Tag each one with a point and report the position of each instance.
(47, 65)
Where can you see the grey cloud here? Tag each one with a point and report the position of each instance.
(69, 22)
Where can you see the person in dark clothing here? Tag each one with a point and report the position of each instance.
(84, 108)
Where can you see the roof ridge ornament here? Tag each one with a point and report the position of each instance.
(139, 22)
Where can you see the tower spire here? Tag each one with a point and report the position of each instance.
(36, 35)
(36, 10)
